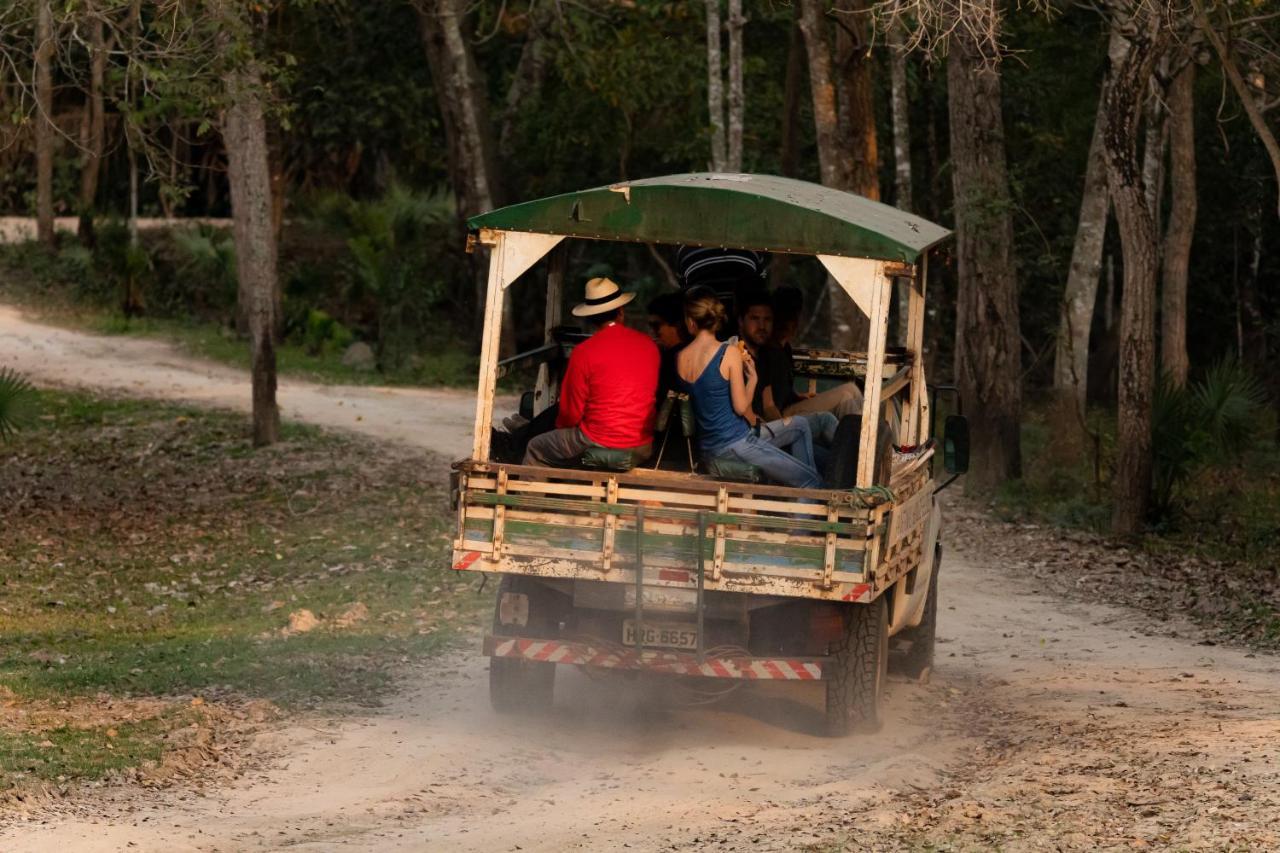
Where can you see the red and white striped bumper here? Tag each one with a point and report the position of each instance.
(655, 660)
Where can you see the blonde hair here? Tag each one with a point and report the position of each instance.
(705, 310)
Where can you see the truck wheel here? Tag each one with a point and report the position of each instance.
(516, 684)
(857, 671)
(919, 657)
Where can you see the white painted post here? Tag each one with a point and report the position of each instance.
(548, 385)
(881, 292)
(914, 430)
(492, 338)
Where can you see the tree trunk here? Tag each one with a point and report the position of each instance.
(831, 170)
(44, 122)
(780, 267)
(1155, 144)
(527, 79)
(95, 107)
(842, 159)
(244, 133)
(1182, 225)
(1071, 356)
(855, 95)
(715, 88)
(988, 357)
(900, 110)
(900, 100)
(1125, 93)
(737, 98)
(461, 94)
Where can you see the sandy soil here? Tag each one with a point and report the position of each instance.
(438, 419)
(14, 229)
(1048, 725)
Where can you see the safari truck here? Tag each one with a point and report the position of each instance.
(682, 573)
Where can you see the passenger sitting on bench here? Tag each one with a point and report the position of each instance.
(720, 378)
(755, 323)
(666, 321)
(609, 388)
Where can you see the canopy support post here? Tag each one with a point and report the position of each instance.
(511, 254)
(915, 428)
(489, 342)
(881, 288)
(548, 387)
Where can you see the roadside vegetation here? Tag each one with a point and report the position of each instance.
(167, 587)
(1212, 544)
(364, 296)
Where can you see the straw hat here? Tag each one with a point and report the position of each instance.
(603, 296)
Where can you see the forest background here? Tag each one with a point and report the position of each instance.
(350, 141)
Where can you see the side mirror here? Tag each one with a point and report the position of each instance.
(526, 407)
(955, 444)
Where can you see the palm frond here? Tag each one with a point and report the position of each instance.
(17, 402)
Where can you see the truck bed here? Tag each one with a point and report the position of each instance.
(685, 529)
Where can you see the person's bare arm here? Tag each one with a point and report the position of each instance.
(740, 370)
(771, 410)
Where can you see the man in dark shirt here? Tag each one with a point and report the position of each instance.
(666, 325)
(773, 365)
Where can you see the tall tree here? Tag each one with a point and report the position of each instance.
(1182, 224)
(93, 124)
(737, 97)
(840, 83)
(726, 112)
(988, 357)
(900, 111)
(900, 101)
(244, 133)
(464, 111)
(44, 129)
(1143, 27)
(1071, 355)
(715, 89)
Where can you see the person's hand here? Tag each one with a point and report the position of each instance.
(748, 366)
(752, 418)
(806, 395)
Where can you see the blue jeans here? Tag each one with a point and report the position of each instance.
(823, 426)
(765, 452)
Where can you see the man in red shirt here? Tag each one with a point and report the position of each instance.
(609, 388)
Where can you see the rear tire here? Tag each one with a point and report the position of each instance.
(517, 685)
(924, 637)
(859, 664)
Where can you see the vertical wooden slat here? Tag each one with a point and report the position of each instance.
(722, 506)
(610, 525)
(915, 348)
(492, 338)
(829, 553)
(547, 388)
(499, 515)
(880, 293)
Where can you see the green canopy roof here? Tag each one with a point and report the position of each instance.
(759, 212)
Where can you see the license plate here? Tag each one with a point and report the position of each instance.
(673, 635)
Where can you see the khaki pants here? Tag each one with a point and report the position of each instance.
(843, 400)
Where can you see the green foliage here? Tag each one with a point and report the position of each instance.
(325, 334)
(391, 263)
(1213, 420)
(17, 402)
(203, 281)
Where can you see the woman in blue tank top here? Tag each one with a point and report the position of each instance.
(721, 379)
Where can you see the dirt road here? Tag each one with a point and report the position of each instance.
(438, 419)
(1047, 726)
